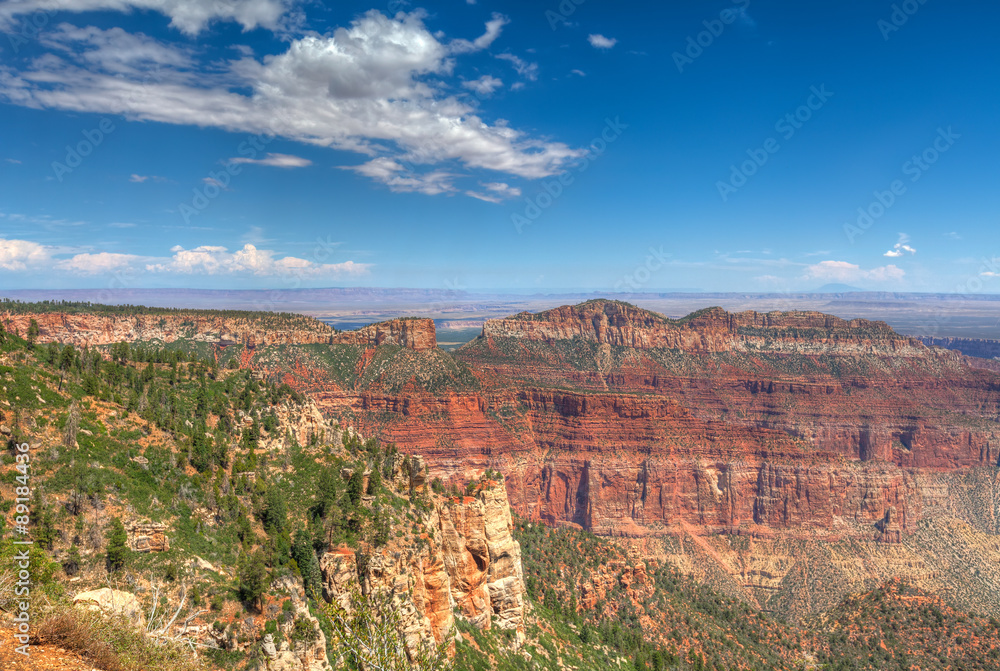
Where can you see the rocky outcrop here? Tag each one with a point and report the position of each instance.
(90, 329)
(112, 602)
(709, 330)
(975, 347)
(219, 328)
(467, 558)
(148, 537)
(415, 334)
(482, 558)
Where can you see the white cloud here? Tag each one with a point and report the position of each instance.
(139, 179)
(276, 161)
(744, 16)
(216, 260)
(578, 72)
(497, 192)
(214, 182)
(121, 224)
(13, 160)
(989, 273)
(22, 254)
(188, 16)
(493, 28)
(484, 86)
(400, 179)
(843, 271)
(28, 256)
(115, 50)
(525, 69)
(372, 88)
(96, 264)
(599, 41)
(503, 188)
(901, 247)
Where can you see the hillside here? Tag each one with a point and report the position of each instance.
(238, 504)
(245, 508)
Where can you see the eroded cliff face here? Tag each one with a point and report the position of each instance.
(415, 334)
(625, 423)
(221, 329)
(466, 557)
(709, 330)
(89, 330)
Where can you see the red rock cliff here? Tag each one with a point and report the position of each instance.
(468, 560)
(415, 334)
(626, 423)
(89, 329)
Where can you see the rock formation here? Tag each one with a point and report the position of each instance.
(627, 423)
(148, 537)
(86, 329)
(415, 334)
(467, 558)
(112, 602)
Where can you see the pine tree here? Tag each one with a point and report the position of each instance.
(355, 486)
(118, 550)
(374, 482)
(252, 575)
(71, 565)
(305, 556)
(32, 333)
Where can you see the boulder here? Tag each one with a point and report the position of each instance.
(112, 602)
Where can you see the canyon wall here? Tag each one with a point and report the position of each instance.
(415, 334)
(89, 330)
(625, 423)
(977, 347)
(709, 330)
(466, 558)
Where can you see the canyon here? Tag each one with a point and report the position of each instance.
(821, 440)
(786, 457)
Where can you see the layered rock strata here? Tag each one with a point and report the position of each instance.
(467, 559)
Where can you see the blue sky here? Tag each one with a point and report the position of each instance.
(724, 146)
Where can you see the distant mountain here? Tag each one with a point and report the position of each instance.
(836, 289)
